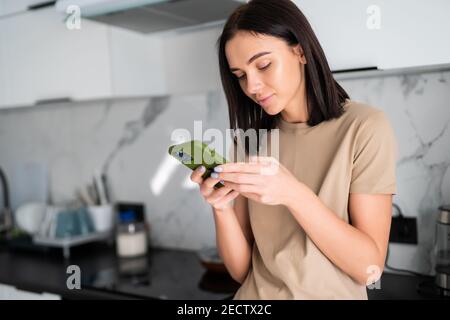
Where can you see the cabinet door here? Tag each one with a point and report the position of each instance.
(44, 60)
(415, 33)
(191, 62)
(137, 63)
(10, 7)
(379, 33)
(343, 32)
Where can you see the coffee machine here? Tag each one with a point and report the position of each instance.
(442, 250)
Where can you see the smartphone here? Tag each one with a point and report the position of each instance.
(194, 153)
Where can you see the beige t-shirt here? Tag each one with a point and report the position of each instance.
(355, 153)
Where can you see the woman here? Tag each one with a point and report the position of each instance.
(318, 228)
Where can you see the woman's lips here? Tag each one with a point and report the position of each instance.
(264, 102)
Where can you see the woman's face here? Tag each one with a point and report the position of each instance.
(269, 71)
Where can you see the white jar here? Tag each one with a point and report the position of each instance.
(131, 240)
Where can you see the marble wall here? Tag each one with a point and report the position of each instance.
(128, 139)
(419, 109)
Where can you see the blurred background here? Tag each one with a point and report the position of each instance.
(91, 91)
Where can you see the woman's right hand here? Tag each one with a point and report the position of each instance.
(220, 198)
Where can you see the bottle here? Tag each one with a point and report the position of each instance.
(442, 249)
(131, 236)
(131, 240)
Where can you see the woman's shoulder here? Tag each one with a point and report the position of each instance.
(362, 114)
(360, 111)
(367, 122)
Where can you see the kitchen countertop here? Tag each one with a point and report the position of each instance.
(162, 274)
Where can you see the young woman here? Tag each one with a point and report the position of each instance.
(318, 228)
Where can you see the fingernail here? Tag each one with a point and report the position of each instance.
(202, 169)
(214, 175)
(218, 169)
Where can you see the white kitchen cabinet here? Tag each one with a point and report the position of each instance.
(9, 7)
(136, 63)
(414, 33)
(409, 33)
(43, 60)
(341, 27)
(191, 62)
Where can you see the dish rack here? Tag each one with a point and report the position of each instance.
(68, 242)
(66, 227)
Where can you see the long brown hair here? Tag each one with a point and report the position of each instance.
(284, 20)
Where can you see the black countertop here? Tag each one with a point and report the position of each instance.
(162, 274)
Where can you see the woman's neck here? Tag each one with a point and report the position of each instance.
(297, 110)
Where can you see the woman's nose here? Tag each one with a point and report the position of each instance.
(254, 84)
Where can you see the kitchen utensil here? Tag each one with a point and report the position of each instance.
(83, 195)
(99, 186)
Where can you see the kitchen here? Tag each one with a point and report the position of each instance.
(91, 91)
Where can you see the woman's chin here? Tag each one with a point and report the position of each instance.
(272, 110)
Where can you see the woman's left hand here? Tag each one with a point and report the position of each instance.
(263, 179)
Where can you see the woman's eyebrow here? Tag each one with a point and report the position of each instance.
(256, 56)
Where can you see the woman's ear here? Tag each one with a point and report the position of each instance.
(298, 51)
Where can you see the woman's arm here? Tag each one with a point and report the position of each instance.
(234, 238)
(233, 233)
(358, 249)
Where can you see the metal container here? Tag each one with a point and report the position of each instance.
(442, 248)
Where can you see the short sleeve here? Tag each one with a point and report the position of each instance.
(375, 157)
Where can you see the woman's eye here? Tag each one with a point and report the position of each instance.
(265, 67)
(261, 68)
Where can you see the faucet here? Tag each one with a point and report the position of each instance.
(5, 213)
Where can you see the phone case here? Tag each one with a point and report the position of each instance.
(187, 153)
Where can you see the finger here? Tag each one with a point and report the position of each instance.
(207, 187)
(211, 182)
(241, 178)
(268, 165)
(242, 188)
(257, 159)
(252, 196)
(225, 200)
(218, 194)
(243, 167)
(196, 175)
